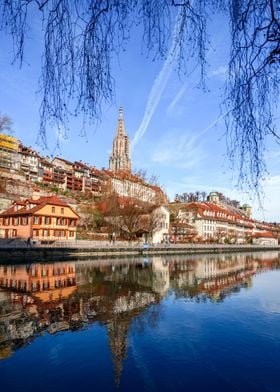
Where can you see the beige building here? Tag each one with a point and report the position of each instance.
(126, 184)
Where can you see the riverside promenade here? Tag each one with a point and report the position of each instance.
(19, 250)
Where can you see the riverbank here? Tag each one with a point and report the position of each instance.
(80, 249)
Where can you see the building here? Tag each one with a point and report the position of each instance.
(126, 184)
(159, 222)
(29, 161)
(120, 158)
(9, 147)
(45, 218)
(265, 238)
(216, 221)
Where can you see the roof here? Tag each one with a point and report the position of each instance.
(62, 160)
(39, 203)
(218, 212)
(265, 234)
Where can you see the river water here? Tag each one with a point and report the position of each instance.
(163, 323)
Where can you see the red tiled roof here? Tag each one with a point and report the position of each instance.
(219, 213)
(39, 203)
(265, 234)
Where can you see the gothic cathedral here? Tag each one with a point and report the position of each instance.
(120, 160)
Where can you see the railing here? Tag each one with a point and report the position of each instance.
(105, 244)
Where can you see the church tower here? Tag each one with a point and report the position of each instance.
(119, 160)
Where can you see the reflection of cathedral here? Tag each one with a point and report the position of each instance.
(64, 296)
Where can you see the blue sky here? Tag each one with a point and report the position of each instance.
(178, 135)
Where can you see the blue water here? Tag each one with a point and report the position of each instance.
(159, 324)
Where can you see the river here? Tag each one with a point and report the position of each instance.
(174, 323)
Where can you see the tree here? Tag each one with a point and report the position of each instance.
(130, 220)
(91, 217)
(5, 123)
(80, 38)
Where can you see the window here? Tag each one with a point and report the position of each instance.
(36, 220)
(53, 210)
(44, 272)
(47, 220)
(62, 210)
(71, 233)
(46, 285)
(33, 272)
(6, 221)
(24, 220)
(45, 233)
(16, 221)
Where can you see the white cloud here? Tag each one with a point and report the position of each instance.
(220, 72)
(178, 151)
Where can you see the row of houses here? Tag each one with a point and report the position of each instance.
(50, 218)
(74, 176)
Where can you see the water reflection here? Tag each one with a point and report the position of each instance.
(62, 296)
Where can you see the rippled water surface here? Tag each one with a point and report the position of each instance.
(176, 323)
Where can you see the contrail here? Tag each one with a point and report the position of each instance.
(158, 87)
(176, 99)
(208, 127)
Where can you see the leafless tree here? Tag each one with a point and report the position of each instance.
(130, 220)
(5, 123)
(253, 87)
(91, 217)
(81, 37)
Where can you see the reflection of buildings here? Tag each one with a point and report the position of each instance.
(47, 297)
(217, 276)
(65, 296)
(46, 281)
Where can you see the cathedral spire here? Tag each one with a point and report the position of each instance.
(120, 159)
(120, 128)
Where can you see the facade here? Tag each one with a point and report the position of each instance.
(46, 218)
(120, 158)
